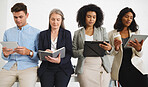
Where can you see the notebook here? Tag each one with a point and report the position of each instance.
(54, 54)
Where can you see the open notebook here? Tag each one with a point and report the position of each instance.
(54, 54)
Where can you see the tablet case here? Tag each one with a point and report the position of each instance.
(92, 49)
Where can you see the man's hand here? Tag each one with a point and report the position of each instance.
(7, 51)
(22, 50)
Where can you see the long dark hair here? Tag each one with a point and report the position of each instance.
(119, 25)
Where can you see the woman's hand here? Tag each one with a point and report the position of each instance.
(106, 47)
(53, 60)
(136, 44)
(48, 50)
(117, 44)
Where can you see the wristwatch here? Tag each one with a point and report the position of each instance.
(31, 53)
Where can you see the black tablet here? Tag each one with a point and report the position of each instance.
(92, 49)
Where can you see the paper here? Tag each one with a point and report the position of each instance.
(55, 54)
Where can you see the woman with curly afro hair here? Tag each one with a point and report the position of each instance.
(91, 71)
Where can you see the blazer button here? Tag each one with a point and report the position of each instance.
(101, 72)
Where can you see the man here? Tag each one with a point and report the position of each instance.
(22, 61)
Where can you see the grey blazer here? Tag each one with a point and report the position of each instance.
(100, 34)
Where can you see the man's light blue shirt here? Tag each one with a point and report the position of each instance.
(26, 37)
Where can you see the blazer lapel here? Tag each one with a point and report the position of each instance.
(49, 38)
(130, 33)
(82, 35)
(95, 35)
(60, 38)
(114, 34)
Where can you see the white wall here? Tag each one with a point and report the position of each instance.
(39, 13)
(3, 24)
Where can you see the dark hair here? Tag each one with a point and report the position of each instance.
(119, 25)
(19, 7)
(81, 15)
(57, 11)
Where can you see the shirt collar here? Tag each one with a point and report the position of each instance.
(24, 27)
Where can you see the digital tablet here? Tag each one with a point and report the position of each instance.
(138, 37)
(10, 45)
(92, 49)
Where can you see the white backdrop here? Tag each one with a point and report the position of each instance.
(39, 13)
(39, 16)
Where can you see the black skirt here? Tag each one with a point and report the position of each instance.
(129, 75)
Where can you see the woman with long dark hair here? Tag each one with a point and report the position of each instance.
(122, 69)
